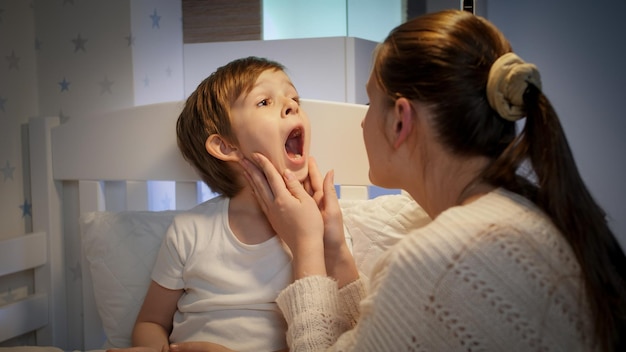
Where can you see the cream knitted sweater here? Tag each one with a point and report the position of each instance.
(493, 275)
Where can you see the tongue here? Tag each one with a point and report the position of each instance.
(292, 147)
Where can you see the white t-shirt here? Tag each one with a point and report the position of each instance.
(230, 287)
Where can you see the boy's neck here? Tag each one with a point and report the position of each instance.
(247, 220)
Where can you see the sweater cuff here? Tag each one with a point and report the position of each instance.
(306, 294)
(350, 297)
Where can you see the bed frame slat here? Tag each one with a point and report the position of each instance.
(353, 192)
(26, 315)
(337, 121)
(22, 253)
(91, 199)
(47, 216)
(136, 195)
(146, 146)
(186, 195)
(91, 196)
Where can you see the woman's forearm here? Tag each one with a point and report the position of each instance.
(340, 265)
(308, 259)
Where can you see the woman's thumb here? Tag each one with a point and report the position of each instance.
(293, 185)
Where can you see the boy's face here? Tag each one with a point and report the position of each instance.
(268, 120)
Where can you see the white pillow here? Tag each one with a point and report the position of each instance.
(120, 249)
(377, 224)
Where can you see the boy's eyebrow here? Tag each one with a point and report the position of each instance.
(258, 84)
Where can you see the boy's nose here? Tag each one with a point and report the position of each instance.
(291, 107)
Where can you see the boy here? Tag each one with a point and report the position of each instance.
(221, 266)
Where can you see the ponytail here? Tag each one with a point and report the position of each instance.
(514, 92)
(562, 194)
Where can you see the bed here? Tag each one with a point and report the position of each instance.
(95, 233)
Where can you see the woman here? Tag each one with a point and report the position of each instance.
(518, 255)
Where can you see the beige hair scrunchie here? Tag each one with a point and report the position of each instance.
(509, 77)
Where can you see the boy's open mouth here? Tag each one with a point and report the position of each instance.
(294, 144)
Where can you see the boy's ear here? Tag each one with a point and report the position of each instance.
(220, 148)
(403, 121)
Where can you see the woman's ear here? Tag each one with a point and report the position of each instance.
(403, 121)
(220, 148)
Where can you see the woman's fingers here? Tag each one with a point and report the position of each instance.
(278, 186)
(330, 193)
(317, 191)
(269, 178)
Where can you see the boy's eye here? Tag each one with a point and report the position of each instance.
(297, 100)
(263, 102)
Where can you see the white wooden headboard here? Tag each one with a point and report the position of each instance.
(104, 162)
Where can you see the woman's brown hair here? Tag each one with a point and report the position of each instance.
(207, 111)
(443, 60)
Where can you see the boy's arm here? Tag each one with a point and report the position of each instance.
(155, 319)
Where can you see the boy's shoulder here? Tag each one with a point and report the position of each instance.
(207, 215)
(212, 207)
(210, 204)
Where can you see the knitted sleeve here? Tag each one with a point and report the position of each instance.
(349, 298)
(311, 308)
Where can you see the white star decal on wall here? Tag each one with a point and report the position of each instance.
(14, 61)
(105, 85)
(79, 43)
(7, 171)
(155, 19)
(65, 85)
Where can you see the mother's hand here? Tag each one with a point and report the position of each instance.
(337, 256)
(324, 193)
(293, 213)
